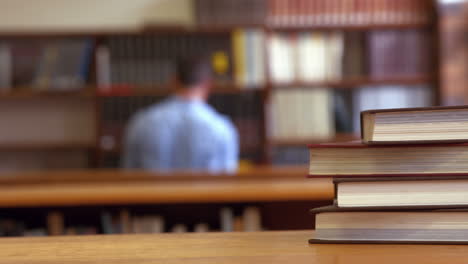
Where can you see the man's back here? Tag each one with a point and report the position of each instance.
(180, 134)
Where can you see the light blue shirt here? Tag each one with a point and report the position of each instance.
(179, 134)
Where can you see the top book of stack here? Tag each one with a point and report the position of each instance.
(415, 125)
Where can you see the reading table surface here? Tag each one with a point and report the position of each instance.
(216, 248)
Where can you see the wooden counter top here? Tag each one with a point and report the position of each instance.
(216, 248)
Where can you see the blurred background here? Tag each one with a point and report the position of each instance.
(287, 72)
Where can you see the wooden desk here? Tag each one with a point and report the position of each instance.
(216, 248)
(119, 188)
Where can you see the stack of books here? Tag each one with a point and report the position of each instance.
(406, 182)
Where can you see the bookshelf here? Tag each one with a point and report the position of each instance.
(248, 100)
(25, 146)
(28, 93)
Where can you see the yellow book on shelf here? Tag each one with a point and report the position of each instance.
(238, 39)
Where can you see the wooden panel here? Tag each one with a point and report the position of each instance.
(52, 120)
(226, 248)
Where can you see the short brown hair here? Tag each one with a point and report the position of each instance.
(192, 71)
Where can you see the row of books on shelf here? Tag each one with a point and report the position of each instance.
(405, 182)
(306, 57)
(347, 12)
(317, 114)
(312, 12)
(123, 222)
(148, 61)
(59, 64)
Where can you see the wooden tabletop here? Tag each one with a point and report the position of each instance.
(118, 188)
(216, 248)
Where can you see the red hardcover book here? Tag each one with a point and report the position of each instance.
(302, 12)
(272, 13)
(360, 160)
(310, 11)
(293, 6)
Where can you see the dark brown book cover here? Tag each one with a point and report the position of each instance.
(441, 209)
(359, 176)
(361, 145)
(338, 180)
(432, 108)
(389, 242)
(425, 208)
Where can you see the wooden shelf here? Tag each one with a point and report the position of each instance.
(363, 27)
(184, 29)
(305, 142)
(25, 93)
(358, 82)
(115, 187)
(46, 146)
(164, 91)
(115, 175)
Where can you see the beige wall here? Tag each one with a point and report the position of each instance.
(30, 15)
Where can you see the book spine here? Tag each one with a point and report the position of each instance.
(103, 69)
(6, 68)
(55, 224)
(227, 219)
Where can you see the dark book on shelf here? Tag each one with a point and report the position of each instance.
(25, 58)
(6, 67)
(404, 53)
(230, 12)
(415, 125)
(149, 61)
(354, 57)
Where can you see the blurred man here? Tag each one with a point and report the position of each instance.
(183, 132)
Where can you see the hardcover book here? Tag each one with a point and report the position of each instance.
(360, 160)
(399, 226)
(401, 192)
